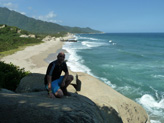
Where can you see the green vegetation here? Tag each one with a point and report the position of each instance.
(10, 39)
(10, 76)
(13, 18)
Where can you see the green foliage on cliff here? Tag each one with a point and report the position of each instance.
(10, 38)
(13, 18)
(10, 75)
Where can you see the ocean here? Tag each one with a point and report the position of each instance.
(131, 63)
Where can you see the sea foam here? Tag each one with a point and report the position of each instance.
(154, 107)
(75, 62)
(92, 44)
(148, 101)
(86, 38)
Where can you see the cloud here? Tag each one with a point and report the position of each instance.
(10, 5)
(50, 17)
(23, 13)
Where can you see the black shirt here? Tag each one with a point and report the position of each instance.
(55, 70)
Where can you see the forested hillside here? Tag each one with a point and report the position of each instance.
(14, 18)
(13, 37)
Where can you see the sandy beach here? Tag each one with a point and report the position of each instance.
(33, 58)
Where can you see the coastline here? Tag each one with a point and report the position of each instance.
(33, 59)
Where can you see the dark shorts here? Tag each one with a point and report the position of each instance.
(55, 85)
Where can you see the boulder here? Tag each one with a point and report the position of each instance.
(106, 97)
(23, 36)
(31, 83)
(32, 36)
(26, 36)
(94, 103)
(3, 26)
(34, 82)
(49, 38)
(36, 107)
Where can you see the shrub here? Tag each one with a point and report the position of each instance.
(9, 39)
(10, 75)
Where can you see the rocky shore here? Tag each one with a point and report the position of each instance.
(95, 103)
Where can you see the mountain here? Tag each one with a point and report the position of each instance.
(14, 18)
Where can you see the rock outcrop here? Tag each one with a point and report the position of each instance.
(28, 36)
(3, 26)
(105, 96)
(32, 104)
(31, 83)
(49, 38)
(38, 108)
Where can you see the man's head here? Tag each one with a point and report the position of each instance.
(61, 57)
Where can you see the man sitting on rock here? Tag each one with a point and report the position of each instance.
(55, 83)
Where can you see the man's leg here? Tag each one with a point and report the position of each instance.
(67, 82)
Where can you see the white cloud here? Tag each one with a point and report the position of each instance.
(10, 5)
(23, 13)
(50, 17)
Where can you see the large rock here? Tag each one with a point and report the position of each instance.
(104, 96)
(38, 108)
(34, 82)
(102, 105)
(31, 83)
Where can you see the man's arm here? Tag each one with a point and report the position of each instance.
(49, 79)
(65, 77)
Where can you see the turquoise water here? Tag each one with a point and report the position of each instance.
(131, 63)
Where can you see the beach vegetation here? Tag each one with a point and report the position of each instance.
(10, 39)
(10, 75)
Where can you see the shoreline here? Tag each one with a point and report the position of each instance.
(34, 61)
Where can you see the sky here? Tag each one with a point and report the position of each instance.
(110, 16)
